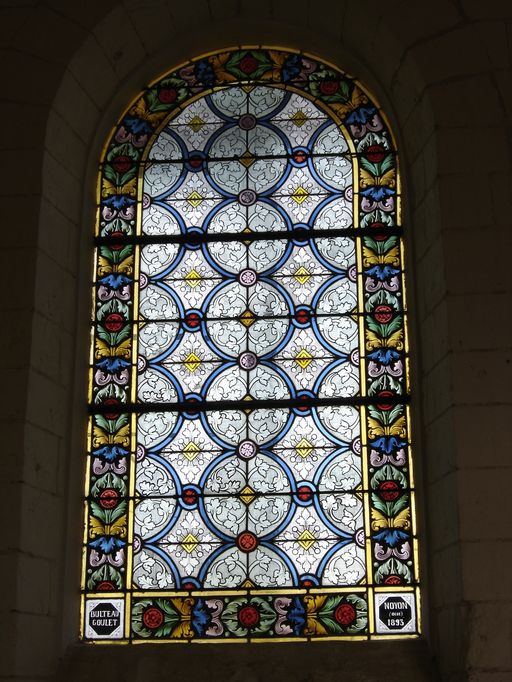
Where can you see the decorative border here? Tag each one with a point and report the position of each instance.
(390, 522)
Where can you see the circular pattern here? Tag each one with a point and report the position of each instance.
(345, 614)
(247, 277)
(247, 122)
(247, 449)
(192, 321)
(108, 498)
(249, 617)
(248, 360)
(153, 618)
(247, 197)
(247, 541)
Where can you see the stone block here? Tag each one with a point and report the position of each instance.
(20, 220)
(21, 168)
(55, 294)
(474, 376)
(35, 646)
(44, 21)
(483, 435)
(479, 148)
(61, 189)
(94, 72)
(64, 144)
(185, 16)
(413, 22)
(486, 570)
(503, 80)
(416, 130)
(15, 339)
(424, 223)
(41, 521)
(442, 502)
(430, 279)
(153, 24)
(449, 641)
(438, 448)
(41, 458)
(470, 98)
(405, 87)
(474, 264)
(437, 390)
(484, 504)
(76, 107)
(433, 341)
(460, 207)
(29, 79)
(26, 129)
(33, 585)
(17, 275)
(444, 576)
(224, 9)
(58, 236)
(119, 41)
(493, 9)
(489, 638)
(477, 320)
(501, 188)
(47, 404)
(450, 53)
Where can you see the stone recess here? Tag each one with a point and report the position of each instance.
(442, 71)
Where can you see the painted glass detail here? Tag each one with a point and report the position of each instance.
(249, 473)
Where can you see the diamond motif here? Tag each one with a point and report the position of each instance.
(247, 495)
(193, 278)
(247, 159)
(306, 539)
(194, 199)
(300, 195)
(304, 448)
(302, 275)
(247, 318)
(192, 362)
(196, 123)
(299, 118)
(191, 450)
(303, 358)
(189, 543)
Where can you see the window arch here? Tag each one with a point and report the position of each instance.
(249, 473)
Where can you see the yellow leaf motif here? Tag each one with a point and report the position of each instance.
(97, 528)
(395, 340)
(104, 350)
(376, 429)
(357, 99)
(120, 437)
(381, 522)
(386, 180)
(108, 188)
(105, 266)
(391, 257)
(184, 608)
(313, 604)
(140, 110)
(218, 62)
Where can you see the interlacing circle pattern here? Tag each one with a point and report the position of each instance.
(250, 314)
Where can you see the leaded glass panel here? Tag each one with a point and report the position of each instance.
(249, 473)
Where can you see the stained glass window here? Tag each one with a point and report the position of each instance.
(249, 475)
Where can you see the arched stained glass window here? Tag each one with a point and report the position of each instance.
(249, 474)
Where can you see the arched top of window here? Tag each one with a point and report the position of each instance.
(249, 473)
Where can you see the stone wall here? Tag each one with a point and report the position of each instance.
(443, 72)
